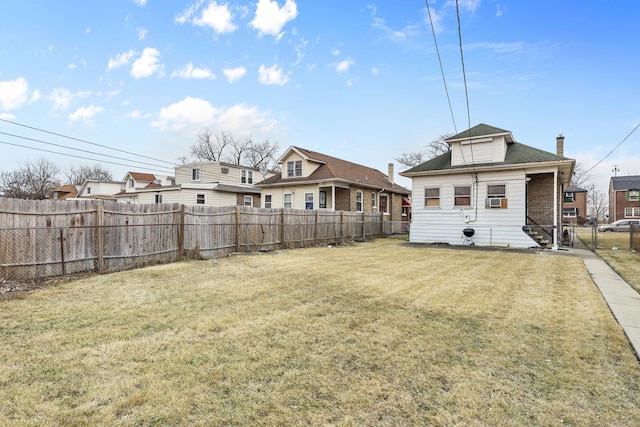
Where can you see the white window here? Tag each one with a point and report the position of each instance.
(267, 201)
(131, 182)
(570, 212)
(294, 168)
(633, 195)
(432, 197)
(200, 200)
(158, 198)
(569, 197)
(308, 200)
(384, 203)
(373, 199)
(631, 212)
(248, 201)
(462, 195)
(359, 201)
(247, 177)
(286, 202)
(195, 174)
(497, 190)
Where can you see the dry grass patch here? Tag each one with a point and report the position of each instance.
(613, 248)
(380, 333)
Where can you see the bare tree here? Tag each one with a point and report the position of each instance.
(31, 180)
(262, 155)
(434, 149)
(225, 147)
(580, 177)
(238, 147)
(598, 204)
(209, 146)
(77, 175)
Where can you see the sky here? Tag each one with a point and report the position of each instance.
(129, 84)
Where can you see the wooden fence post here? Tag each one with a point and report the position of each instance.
(238, 228)
(100, 234)
(282, 226)
(181, 233)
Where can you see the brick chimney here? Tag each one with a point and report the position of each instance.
(391, 173)
(560, 145)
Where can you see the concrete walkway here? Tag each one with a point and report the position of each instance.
(623, 300)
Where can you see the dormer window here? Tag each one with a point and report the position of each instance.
(294, 168)
(247, 177)
(195, 174)
(131, 182)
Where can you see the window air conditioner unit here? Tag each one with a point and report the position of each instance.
(224, 169)
(495, 202)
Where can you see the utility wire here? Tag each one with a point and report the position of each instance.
(79, 149)
(446, 88)
(614, 149)
(79, 157)
(87, 142)
(466, 91)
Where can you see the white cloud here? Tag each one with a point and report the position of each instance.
(189, 111)
(147, 64)
(120, 59)
(142, 33)
(396, 35)
(13, 93)
(140, 2)
(61, 98)
(272, 76)
(87, 31)
(344, 65)
(7, 116)
(35, 96)
(234, 74)
(190, 72)
(135, 114)
(335, 51)
(269, 18)
(468, 5)
(498, 47)
(192, 114)
(214, 15)
(85, 114)
(375, 71)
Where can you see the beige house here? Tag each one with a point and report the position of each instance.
(204, 183)
(311, 180)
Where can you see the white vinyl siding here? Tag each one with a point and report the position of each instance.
(492, 226)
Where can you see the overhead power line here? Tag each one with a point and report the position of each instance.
(79, 149)
(614, 149)
(81, 157)
(87, 142)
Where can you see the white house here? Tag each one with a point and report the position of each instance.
(205, 183)
(502, 192)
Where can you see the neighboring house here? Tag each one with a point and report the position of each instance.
(96, 189)
(136, 181)
(624, 197)
(311, 180)
(574, 208)
(504, 192)
(63, 192)
(204, 183)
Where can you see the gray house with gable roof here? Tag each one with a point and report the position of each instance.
(507, 193)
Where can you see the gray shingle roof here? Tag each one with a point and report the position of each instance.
(624, 183)
(481, 130)
(517, 153)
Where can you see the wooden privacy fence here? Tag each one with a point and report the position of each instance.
(50, 238)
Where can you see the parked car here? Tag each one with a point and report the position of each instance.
(620, 225)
